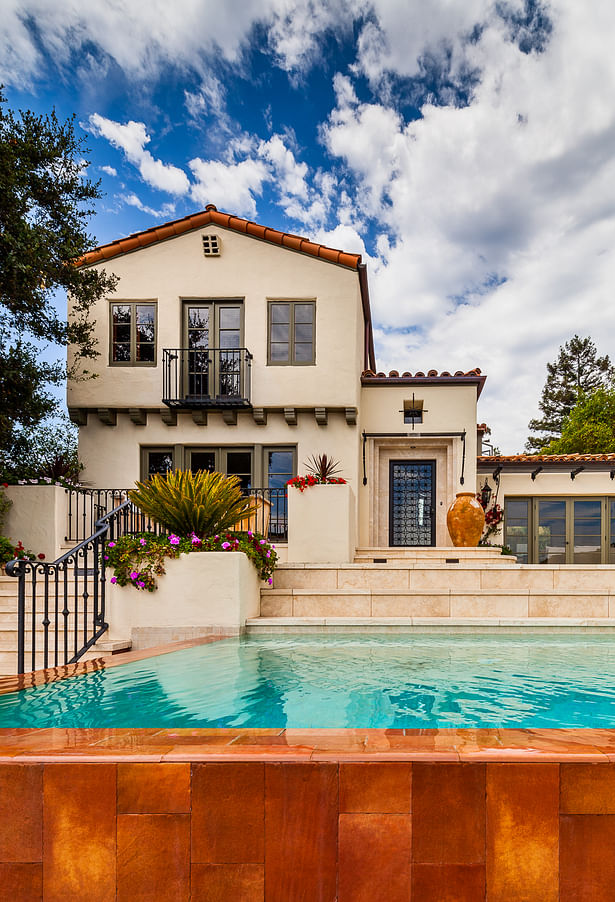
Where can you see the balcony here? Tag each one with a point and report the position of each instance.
(210, 378)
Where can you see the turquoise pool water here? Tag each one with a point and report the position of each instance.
(339, 681)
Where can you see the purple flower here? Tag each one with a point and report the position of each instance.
(173, 539)
(134, 574)
(262, 542)
(250, 533)
(270, 581)
(268, 554)
(226, 545)
(143, 541)
(106, 557)
(113, 579)
(111, 544)
(195, 540)
(141, 584)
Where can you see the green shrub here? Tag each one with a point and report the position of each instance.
(202, 503)
(8, 552)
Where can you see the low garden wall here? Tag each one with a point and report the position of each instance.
(321, 524)
(200, 593)
(38, 518)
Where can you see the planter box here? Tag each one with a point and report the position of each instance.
(200, 593)
(38, 517)
(321, 524)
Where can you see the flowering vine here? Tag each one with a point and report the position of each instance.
(137, 560)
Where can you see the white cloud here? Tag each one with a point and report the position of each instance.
(109, 170)
(132, 138)
(232, 186)
(133, 201)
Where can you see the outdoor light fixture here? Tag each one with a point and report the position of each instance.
(485, 494)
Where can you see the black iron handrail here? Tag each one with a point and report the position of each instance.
(66, 637)
(86, 506)
(206, 377)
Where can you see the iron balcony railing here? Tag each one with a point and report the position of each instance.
(61, 605)
(206, 378)
(86, 506)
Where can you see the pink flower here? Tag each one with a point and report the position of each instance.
(113, 579)
(141, 584)
(143, 541)
(195, 540)
(270, 581)
(111, 544)
(173, 539)
(262, 542)
(226, 545)
(106, 557)
(134, 574)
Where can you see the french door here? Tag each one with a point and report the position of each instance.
(412, 485)
(212, 336)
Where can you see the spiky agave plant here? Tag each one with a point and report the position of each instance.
(322, 466)
(182, 502)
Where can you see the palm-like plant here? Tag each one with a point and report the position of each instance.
(322, 466)
(182, 502)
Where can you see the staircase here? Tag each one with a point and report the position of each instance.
(8, 631)
(435, 587)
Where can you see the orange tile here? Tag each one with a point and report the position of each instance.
(374, 787)
(153, 788)
(216, 882)
(79, 832)
(301, 810)
(21, 882)
(228, 813)
(587, 789)
(374, 857)
(448, 882)
(21, 812)
(153, 857)
(448, 813)
(587, 861)
(522, 832)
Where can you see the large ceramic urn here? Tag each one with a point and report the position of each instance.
(465, 520)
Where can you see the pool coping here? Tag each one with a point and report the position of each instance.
(207, 745)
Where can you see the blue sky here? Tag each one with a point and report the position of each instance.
(465, 148)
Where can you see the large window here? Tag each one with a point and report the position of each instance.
(280, 466)
(231, 461)
(291, 333)
(133, 334)
(560, 530)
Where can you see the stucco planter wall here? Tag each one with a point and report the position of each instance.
(200, 593)
(321, 524)
(38, 517)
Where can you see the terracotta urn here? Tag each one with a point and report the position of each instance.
(465, 520)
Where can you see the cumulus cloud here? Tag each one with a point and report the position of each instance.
(108, 170)
(231, 186)
(133, 201)
(132, 137)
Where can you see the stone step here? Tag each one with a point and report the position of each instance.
(439, 553)
(520, 625)
(498, 603)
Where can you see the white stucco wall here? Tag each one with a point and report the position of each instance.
(248, 269)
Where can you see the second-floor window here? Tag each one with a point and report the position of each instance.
(291, 333)
(133, 333)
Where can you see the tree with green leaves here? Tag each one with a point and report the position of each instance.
(45, 204)
(578, 371)
(589, 428)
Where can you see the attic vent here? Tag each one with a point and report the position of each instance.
(211, 245)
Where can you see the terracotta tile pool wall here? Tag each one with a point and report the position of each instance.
(306, 830)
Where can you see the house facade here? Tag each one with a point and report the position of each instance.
(233, 347)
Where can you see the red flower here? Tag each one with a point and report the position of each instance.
(5, 485)
(41, 556)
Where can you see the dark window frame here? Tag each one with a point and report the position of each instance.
(133, 303)
(292, 303)
(533, 556)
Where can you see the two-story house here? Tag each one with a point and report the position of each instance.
(239, 348)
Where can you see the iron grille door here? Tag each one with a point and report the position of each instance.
(412, 502)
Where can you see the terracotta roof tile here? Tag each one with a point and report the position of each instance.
(225, 220)
(545, 458)
(369, 377)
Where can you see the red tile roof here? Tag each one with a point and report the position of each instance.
(208, 215)
(545, 458)
(432, 377)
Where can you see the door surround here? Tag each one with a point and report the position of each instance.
(446, 454)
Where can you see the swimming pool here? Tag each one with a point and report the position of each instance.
(341, 681)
